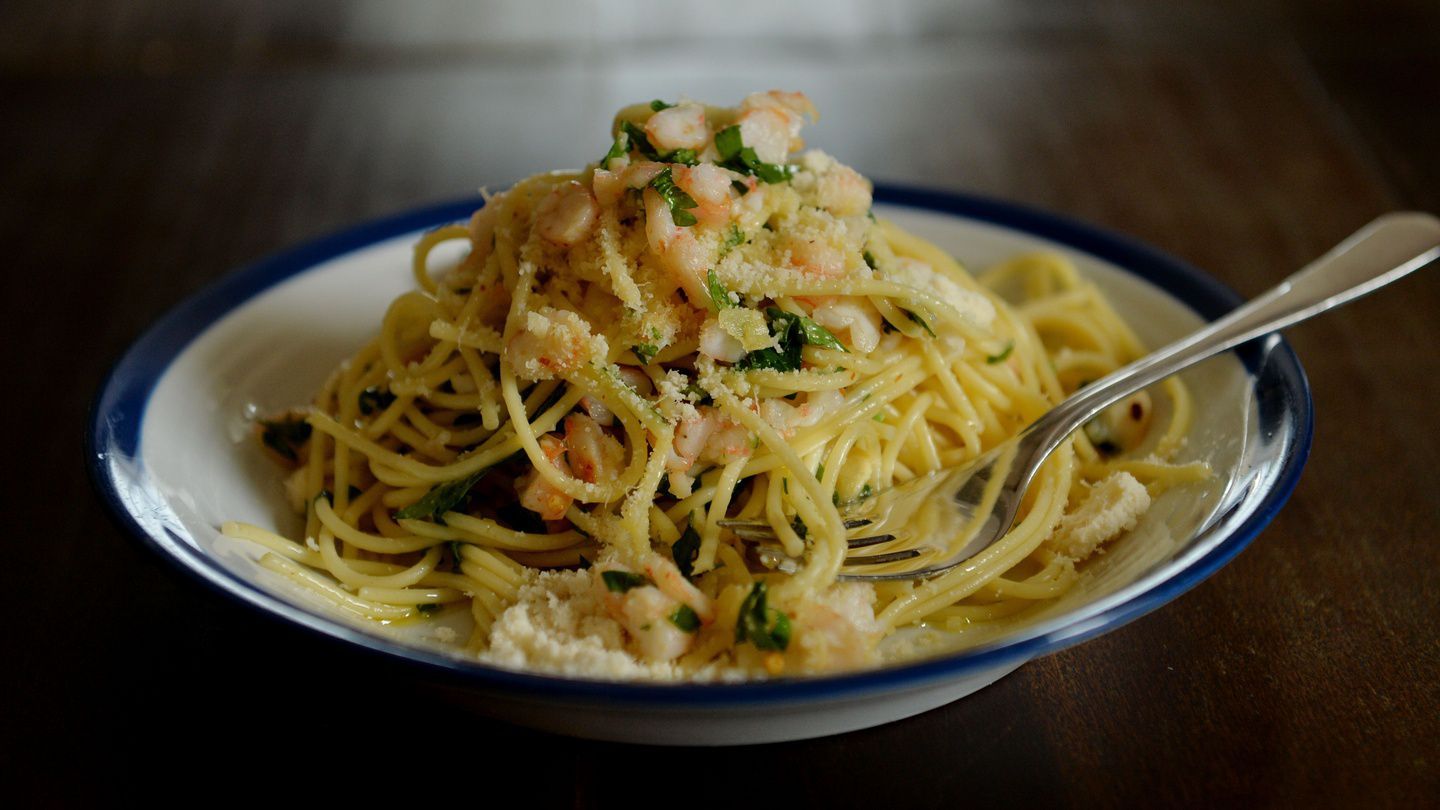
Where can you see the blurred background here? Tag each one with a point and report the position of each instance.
(149, 147)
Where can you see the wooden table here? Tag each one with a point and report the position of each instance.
(150, 147)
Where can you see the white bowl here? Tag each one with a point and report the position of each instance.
(170, 452)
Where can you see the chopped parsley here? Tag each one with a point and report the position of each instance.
(285, 436)
(428, 609)
(686, 550)
(791, 333)
(622, 581)
(678, 200)
(761, 625)
(733, 238)
(442, 498)
(456, 555)
(870, 260)
(685, 618)
(617, 149)
(646, 352)
(374, 399)
(919, 320)
(719, 296)
(798, 524)
(735, 155)
(1004, 353)
(641, 142)
(657, 105)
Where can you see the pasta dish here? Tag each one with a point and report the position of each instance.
(538, 448)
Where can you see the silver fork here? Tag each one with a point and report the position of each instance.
(984, 494)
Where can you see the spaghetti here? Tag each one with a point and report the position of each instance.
(547, 436)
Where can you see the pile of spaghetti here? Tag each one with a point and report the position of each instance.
(543, 440)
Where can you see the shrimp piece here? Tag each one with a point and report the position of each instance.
(674, 585)
(590, 451)
(567, 214)
(708, 436)
(553, 342)
(536, 493)
(794, 103)
(709, 185)
(679, 251)
(787, 418)
(767, 131)
(651, 612)
(646, 614)
(844, 192)
(770, 123)
(678, 127)
(816, 257)
(719, 344)
(837, 630)
(853, 317)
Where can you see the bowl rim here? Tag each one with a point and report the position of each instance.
(118, 410)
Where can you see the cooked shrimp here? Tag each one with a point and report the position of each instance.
(854, 319)
(770, 123)
(708, 436)
(843, 191)
(591, 452)
(838, 630)
(786, 418)
(816, 257)
(536, 493)
(680, 252)
(678, 127)
(651, 613)
(709, 185)
(719, 344)
(567, 214)
(552, 342)
(674, 585)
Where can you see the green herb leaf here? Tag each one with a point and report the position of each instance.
(735, 155)
(617, 150)
(622, 581)
(442, 498)
(686, 156)
(1004, 353)
(455, 554)
(657, 105)
(639, 140)
(685, 618)
(798, 524)
(719, 296)
(646, 352)
(761, 625)
(686, 550)
(733, 238)
(374, 399)
(790, 337)
(674, 197)
(728, 143)
(285, 436)
(791, 333)
(817, 335)
(428, 609)
(917, 319)
(870, 260)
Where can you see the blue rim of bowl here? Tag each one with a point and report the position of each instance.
(119, 410)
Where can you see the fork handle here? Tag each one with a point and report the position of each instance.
(1385, 250)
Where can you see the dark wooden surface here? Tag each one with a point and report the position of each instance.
(148, 148)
